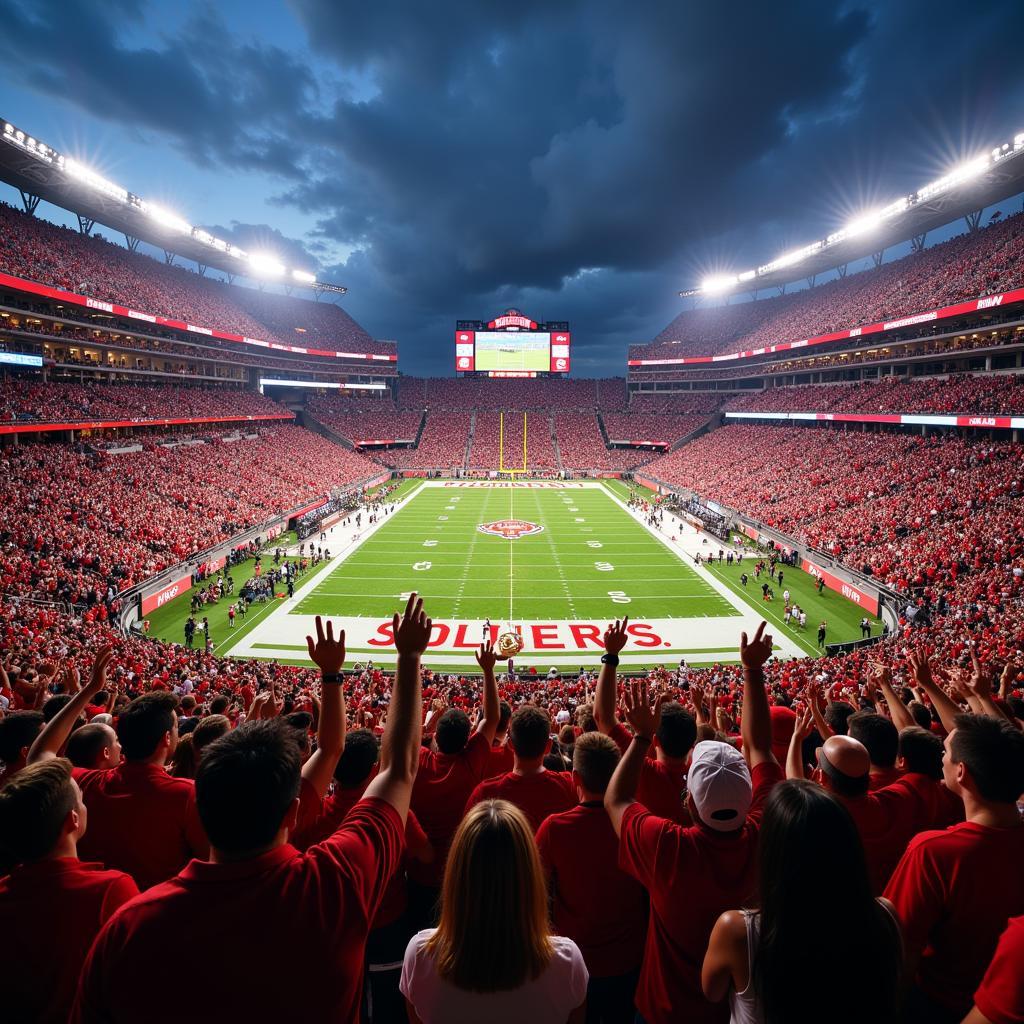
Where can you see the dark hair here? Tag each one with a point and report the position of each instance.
(17, 731)
(54, 705)
(504, 715)
(141, 725)
(838, 713)
(677, 732)
(993, 751)
(361, 753)
(452, 732)
(594, 759)
(529, 732)
(879, 736)
(299, 720)
(245, 783)
(921, 751)
(921, 714)
(86, 744)
(33, 806)
(219, 704)
(807, 841)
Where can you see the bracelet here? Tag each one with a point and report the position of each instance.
(332, 677)
(646, 739)
(610, 659)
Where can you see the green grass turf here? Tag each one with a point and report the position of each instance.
(168, 622)
(555, 574)
(841, 615)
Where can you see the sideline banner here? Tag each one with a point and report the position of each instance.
(863, 598)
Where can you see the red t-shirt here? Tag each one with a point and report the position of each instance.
(954, 892)
(1001, 995)
(594, 902)
(536, 795)
(934, 806)
(692, 876)
(503, 759)
(287, 911)
(662, 788)
(443, 784)
(886, 823)
(141, 820)
(882, 777)
(50, 912)
(336, 808)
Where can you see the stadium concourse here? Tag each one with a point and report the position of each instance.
(314, 813)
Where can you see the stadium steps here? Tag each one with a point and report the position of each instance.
(604, 430)
(311, 423)
(420, 429)
(708, 425)
(555, 445)
(469, 441)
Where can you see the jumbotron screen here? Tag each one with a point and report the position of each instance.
(512, 345)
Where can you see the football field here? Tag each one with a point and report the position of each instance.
(555, 561)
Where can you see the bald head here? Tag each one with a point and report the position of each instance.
(846, 765)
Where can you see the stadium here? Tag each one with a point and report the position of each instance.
(473, 691)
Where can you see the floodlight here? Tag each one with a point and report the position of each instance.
(89, 177)
(167, 218)
(718, 283)
(266, 264)
(303, 277)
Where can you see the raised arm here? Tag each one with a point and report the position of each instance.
(604, 695)
(795, 754)
(329, 655)
(944, 707)
(485, 658)
(898, 711)
(51, 740)
(756, 727)
(400, 744)
(817, 704)
(644, 720)
(980, 685)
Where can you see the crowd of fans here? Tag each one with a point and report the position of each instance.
(965, 267)
(442, 444)
(367, 421)
(664, 847)
(77, 531)
(992, 394)
(37, 250)
(493, 435)
(57, 402)
(511, 393)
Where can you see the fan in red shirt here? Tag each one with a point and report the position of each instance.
(694, 874)
(663, 776)
(390, 931)
(535, 790)
(1000, 997)
(881, 739)
(52, 904)
(142, 820)
(256, 886)
(954, 891)
(594, 902)
(18, 731)
(448, 771)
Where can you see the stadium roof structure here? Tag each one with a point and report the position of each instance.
(40, 172)
(964, 191)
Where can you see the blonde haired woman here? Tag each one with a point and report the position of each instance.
(492, 957)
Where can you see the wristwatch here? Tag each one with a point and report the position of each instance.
(332, 677)
(610, 659)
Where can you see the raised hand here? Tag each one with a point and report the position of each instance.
(803, 726)
(756, 652)
(979, 682)
(643, 717)
(921, 668)
(615, 636)
(486, 656)
(70, 680)
(412, 630)
(326, 652)
(98, 677)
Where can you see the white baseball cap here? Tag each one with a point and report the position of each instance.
(719, 782)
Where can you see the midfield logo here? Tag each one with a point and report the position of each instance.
(510, 529)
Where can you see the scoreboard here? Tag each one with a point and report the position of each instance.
(512, 345)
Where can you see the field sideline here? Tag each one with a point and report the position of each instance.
(582, 557)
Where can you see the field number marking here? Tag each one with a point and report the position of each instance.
(618, 597)
(604, 567)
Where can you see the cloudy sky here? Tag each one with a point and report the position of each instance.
(582, 161)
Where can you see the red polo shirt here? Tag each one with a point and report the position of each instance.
(662, 788)
(50, 912)
(594, 902)
(536, 795)
(283, 911)
(443, 784)
(692, 876)
(886, 823)
(141, 820)
(1001, 995)
(954, 892)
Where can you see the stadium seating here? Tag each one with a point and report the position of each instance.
(58, 402)
(376, 420)
(964, 267)
(442, 444)
(486, 452)
(34, 249)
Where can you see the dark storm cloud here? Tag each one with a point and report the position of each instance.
(582, 160)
